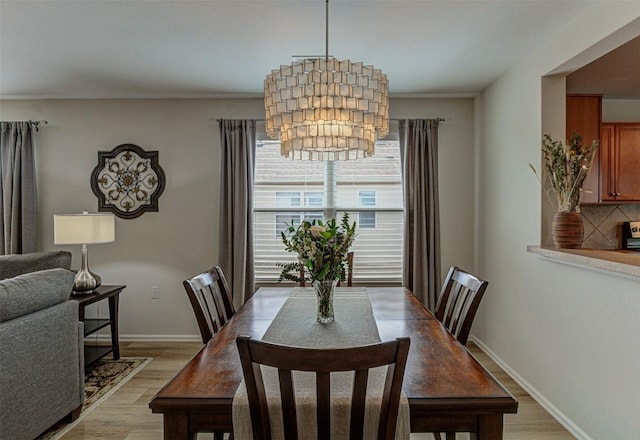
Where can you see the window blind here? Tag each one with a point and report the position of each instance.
(370, 190)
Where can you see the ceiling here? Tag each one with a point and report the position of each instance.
(615, 75)
(195, 49)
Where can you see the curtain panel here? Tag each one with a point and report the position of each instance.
(18, 204)
(235, 255)
(419, 150)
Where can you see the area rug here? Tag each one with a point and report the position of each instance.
(102, 379)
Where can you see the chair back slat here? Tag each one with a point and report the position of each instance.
(211, 300)
(360, 360)
(323, 402)
(358, 400)
(289, 416)
(459, 301)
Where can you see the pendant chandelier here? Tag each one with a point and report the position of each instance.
(326, 109)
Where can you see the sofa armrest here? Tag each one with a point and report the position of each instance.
(18, 264)
(41, 366)
(34, 291)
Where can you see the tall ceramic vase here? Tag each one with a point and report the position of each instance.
(568, 230)
(324, 294)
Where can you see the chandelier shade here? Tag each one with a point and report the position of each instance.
(326, 109)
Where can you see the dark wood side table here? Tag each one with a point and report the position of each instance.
(94, 352)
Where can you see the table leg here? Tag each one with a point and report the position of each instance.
(176, 427)
(489, 428)
(113, 315)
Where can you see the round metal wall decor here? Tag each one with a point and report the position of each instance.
(127, 181)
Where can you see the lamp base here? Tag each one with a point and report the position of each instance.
(85, 280)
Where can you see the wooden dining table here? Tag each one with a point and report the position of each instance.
(447, 389)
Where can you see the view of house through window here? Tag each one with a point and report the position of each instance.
(289, 191)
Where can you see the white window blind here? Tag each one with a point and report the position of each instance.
(370, 190)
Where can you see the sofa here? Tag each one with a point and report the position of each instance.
(41, 346)
(19, 264)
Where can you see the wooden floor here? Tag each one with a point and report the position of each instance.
(126, 414)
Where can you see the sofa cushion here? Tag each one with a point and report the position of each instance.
(18, 264)
(34, 291)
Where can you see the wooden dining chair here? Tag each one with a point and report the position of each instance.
(303, 283)
(456, 308)
(459, 301)
(286, 359)
(212, 303)
(211, 300)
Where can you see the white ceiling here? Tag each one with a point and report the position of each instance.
(196, 49)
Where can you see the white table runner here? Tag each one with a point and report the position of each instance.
(295, 324)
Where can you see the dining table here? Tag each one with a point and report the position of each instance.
(447, 389)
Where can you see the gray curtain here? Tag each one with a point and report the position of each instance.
(237, 141)
(18, 233)
(419, 150)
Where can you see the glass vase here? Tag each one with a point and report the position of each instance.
(324, 294)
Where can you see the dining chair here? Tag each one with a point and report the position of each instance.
(211, 300)
(456, 308)
(212, 304)
(459, 301)
(303, 283)
(286, 359)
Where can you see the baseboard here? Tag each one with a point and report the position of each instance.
(146, 338)
(534, 393)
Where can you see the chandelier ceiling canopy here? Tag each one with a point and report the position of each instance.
(326, 109)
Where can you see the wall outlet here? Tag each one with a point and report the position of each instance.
(155, 292)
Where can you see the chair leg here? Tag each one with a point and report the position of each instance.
(437, 436)
(451, 436)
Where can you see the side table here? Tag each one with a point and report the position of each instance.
(94, 352)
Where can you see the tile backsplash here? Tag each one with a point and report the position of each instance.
(603, 224)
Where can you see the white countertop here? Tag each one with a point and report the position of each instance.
(616, 261)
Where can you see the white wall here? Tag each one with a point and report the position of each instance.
(568, 333)
(161, 249)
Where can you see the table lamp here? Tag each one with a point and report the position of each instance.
(84, 229)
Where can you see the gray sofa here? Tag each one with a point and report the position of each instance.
(41, 348)
(19, 264)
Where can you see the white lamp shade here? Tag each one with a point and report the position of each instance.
(83, 228)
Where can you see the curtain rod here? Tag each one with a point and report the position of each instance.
(391, 119)
(32, 122)
(36, 124)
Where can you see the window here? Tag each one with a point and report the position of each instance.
(287, 199)
(291, 199)
(313, 198)
(370, 190)
(367, 197)
(283, 220)
(367, 219)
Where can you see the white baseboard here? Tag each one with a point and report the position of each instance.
(146, 338)
(534, 393)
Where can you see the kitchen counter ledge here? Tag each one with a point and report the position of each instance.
(616, 261)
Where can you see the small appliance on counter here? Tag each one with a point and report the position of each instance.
(631, 236)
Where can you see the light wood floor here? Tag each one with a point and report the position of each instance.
(126, 414)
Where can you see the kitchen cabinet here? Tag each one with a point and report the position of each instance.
(584, 116)
(620, 162)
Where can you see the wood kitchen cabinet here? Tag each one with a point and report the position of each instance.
(584, 116)
(620, 162)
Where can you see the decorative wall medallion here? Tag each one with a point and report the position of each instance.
(127, 181)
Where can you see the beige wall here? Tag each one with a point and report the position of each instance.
(569, 334)
(621, 110)
(161, 249)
